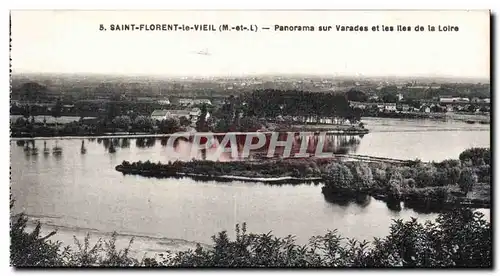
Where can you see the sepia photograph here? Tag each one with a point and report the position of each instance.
(250, 139)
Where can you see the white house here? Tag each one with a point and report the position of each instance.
(446, 100)
(162, 114)
(405, 107)
(192, 115)
(358, 105)
(145, 99)
(186, 102)
(390, 106)
(202, 101)
(164, 102)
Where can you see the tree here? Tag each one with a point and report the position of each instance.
(169, 125)
(338, 175)
(183, 121)
(20, 122)
(484, 109)
(122, 122)
(467, 180)
(356, 95)
(26, 111)
(113, 109)
(32, 91)
(143, 123)
(389, 94)
(56, 110)
(471, 108)
(426, 175)
(222, 125)
(389, 98)
(476, 155)
(249, 124)
(201, 124)
(31, 249)
(363, 175)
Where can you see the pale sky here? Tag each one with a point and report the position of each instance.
(70, 42)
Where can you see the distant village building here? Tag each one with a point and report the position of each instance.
(164, 102)
(191, 102)
(425, 108)
(390, 107)
(219, 102)
(145, 99)
(202, 101)
(403, 107)
(453, 100)
(163, 114)
(68, 107)
(446, 100)
(186, 102)
(434, 87)
(160, 114)
(359, 105)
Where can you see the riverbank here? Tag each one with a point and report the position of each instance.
(472, 118)
(427, 186)
(267, 171)
(22, 128)
(143, 244)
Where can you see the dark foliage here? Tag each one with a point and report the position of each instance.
(460, 238)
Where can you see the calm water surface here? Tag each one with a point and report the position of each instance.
(83, 193)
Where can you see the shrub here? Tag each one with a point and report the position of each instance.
(460, 238)
(379, 176)
(409, 183)
(426, 176)
(467, 180)
(483, 173)
(362, 175)
(476, 155)
(30, 248)
(338, 175)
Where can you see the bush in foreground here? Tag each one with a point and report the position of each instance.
(460, 238)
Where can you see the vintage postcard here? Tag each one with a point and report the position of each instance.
(250, 138)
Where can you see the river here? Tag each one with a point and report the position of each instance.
(79, 193)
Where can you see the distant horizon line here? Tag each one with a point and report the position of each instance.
(334, 75)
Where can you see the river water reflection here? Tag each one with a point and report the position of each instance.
(83, 192)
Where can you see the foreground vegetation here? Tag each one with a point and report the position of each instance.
(460, 238)
(426, 186)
